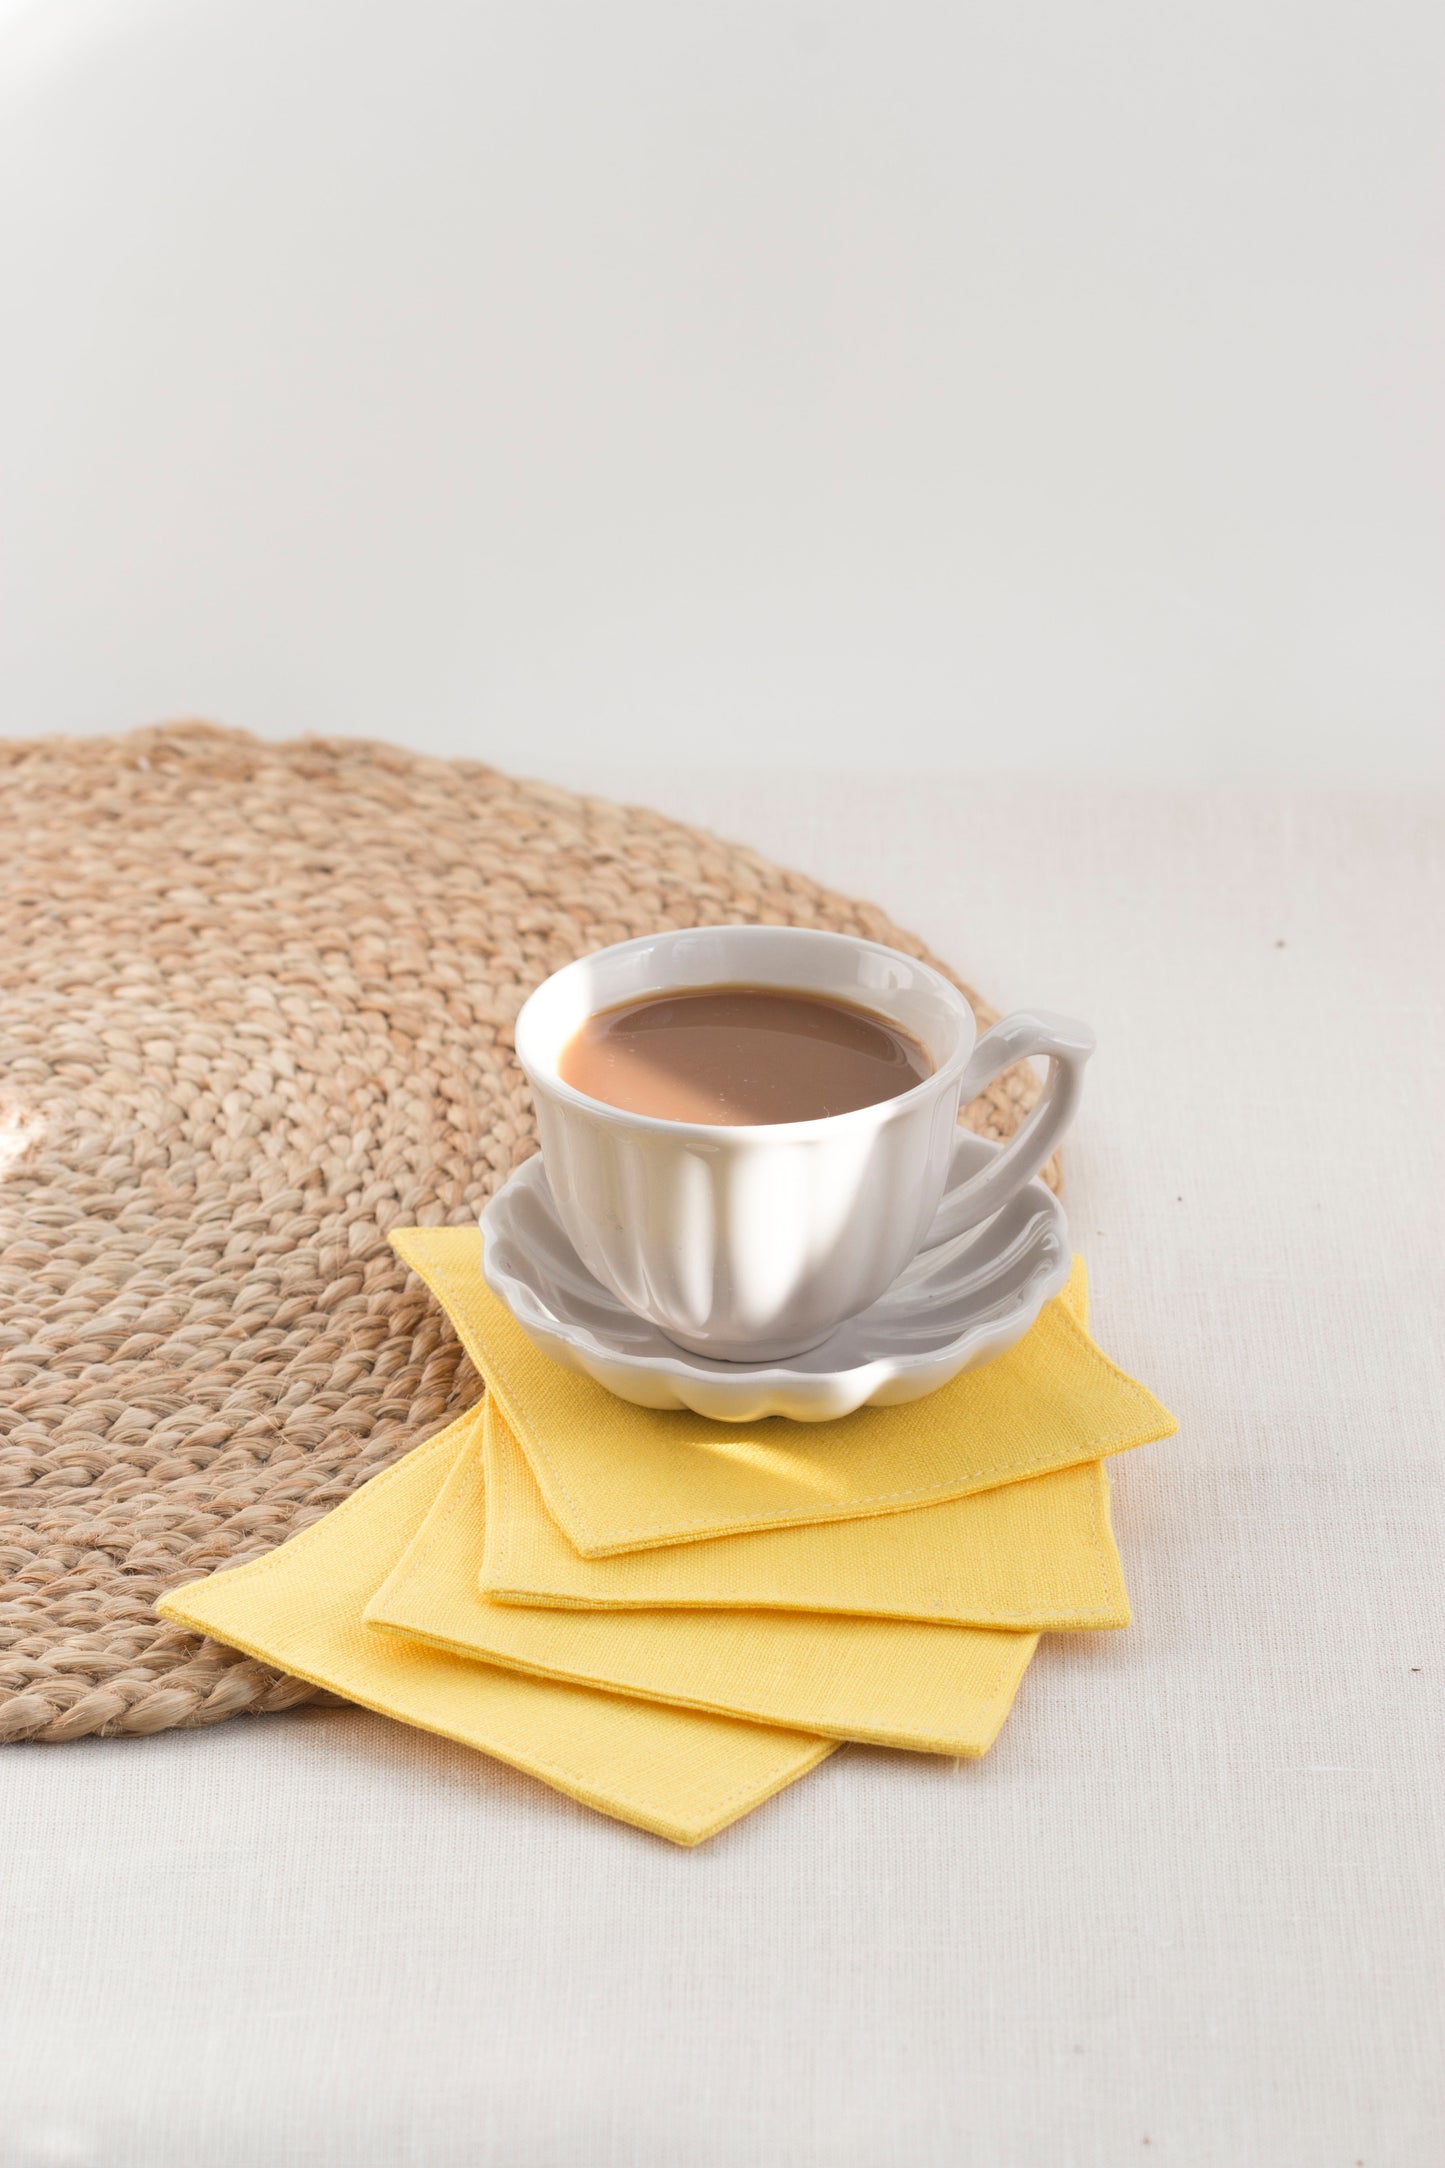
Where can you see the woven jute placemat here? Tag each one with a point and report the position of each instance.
(256, 1008)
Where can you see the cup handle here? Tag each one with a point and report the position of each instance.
(1068, 1046)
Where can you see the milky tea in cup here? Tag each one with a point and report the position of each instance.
(741, 1055)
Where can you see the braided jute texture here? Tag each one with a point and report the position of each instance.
(256, 1007)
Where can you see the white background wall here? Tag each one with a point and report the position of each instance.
(1040, 390)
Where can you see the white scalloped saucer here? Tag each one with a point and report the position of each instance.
(959, 1303)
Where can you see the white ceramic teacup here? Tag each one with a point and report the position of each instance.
(753, 1243)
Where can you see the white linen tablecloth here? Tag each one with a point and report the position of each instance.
(1190, 1909)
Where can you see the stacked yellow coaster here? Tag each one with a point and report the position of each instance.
(670, 1618)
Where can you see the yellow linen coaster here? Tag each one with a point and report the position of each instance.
(678, 1772)
(1037, 1554)
(936, 1689)
(621, 1478)
(1031, 1556)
